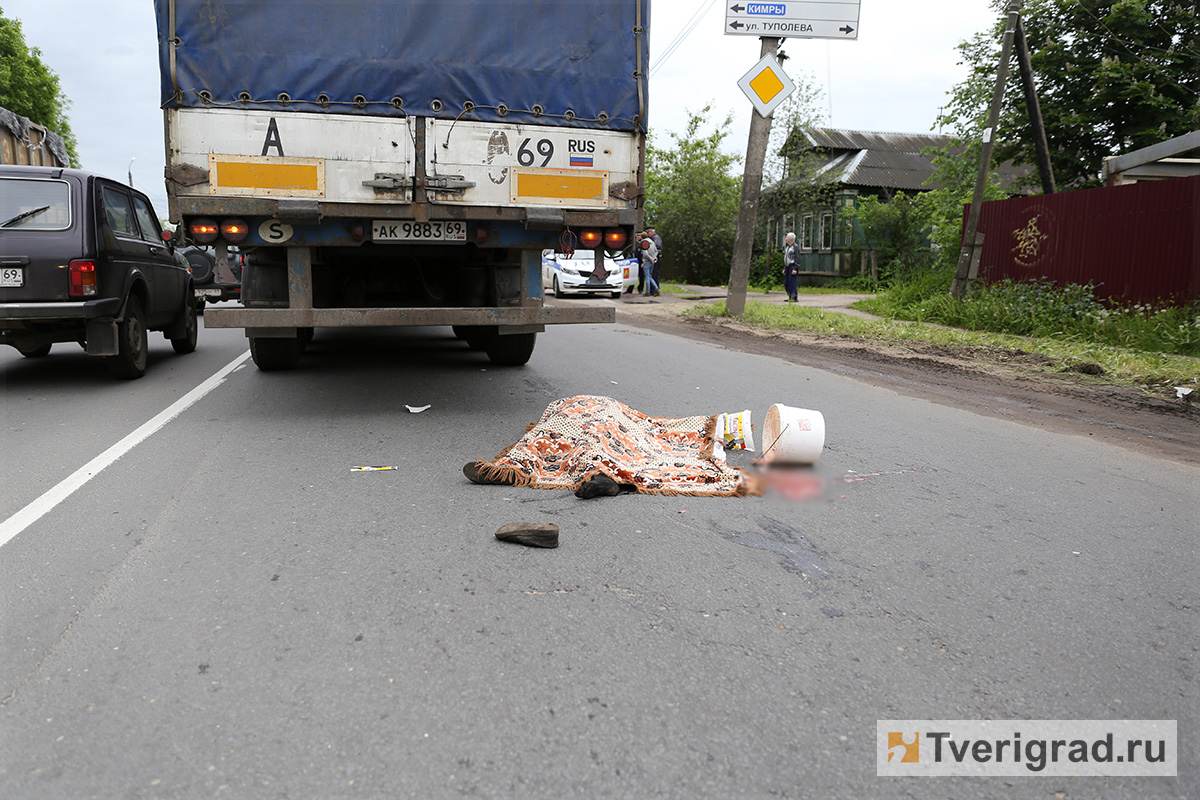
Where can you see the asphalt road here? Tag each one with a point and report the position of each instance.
(226, 610)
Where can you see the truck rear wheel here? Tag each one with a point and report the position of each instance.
(476, 336)
(513, 350)
(271, 354)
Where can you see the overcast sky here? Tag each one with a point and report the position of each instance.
(894, 77)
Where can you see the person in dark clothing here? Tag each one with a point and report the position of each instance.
(641, 262)
(791, 268)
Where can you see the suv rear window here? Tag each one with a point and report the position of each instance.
(35, 204)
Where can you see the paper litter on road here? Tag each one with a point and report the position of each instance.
(417, 409)
(371, 469)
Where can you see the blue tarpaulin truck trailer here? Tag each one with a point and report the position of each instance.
(403, 163)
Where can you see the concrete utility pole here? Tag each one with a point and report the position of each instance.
(743, 241)
(962, 274)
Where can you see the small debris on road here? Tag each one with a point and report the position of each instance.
(531, 534)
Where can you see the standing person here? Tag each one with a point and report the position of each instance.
(654, 237)
(641, 264)
(650, 254)
(791, 271)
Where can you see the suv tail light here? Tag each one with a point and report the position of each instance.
(83, 278)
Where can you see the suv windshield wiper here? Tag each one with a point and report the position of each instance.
(23, 215)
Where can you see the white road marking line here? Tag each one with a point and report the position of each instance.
(41, 506)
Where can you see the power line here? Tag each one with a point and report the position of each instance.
(683, 34)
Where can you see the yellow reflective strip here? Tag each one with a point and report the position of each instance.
(248, 175)
(577, 187)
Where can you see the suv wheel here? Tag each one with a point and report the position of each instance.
(187, 342)
(132, 344)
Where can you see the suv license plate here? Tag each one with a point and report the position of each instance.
(12, 277)
(409, 231)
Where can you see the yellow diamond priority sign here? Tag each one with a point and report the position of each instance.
(767, 85)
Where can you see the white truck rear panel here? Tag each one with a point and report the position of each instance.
(264, 153)
(530, 165)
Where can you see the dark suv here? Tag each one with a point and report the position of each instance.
(83, 259)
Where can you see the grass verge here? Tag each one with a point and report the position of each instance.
(1158, 372)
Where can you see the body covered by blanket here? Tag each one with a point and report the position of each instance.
(579, 437)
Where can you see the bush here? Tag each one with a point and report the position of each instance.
(766, 272)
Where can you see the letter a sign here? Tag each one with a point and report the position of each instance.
(767, 85)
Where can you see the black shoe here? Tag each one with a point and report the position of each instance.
(602, 486)
(474, 472)
(531, 534)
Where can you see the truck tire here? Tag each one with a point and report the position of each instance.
(36, 352)
(132, 344)
(272, 354)
(187, 342)
(476, 336)
(513, 350)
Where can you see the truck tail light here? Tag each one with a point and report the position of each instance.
(234, 230)
(614, 238)
(590, 240)
(83, 278)
(203, 231)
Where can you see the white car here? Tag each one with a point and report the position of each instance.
(576, 274)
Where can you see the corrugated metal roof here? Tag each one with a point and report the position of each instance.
(878, 160)
(887, 160)
(873, 140)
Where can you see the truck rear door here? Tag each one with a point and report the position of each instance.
(497, 164)
(332, 158)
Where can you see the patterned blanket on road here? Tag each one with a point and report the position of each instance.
(578, 437)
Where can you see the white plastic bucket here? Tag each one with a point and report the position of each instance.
(793, 435)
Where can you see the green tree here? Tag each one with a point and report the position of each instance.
(897, 229)
(1111, 76)
(692, 198)
(29, 88)
(792, 173)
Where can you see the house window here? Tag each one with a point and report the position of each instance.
(806, 232)
(845, 225)
(827, 230)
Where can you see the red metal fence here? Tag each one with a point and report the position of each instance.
(1137, 244)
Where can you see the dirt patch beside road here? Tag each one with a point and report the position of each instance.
(1008, 384)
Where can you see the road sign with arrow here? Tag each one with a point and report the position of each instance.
(793, 19)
